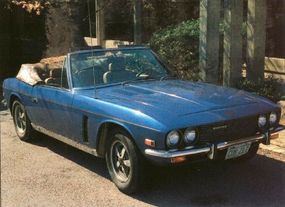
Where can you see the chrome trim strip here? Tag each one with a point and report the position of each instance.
(256, 138)
(203, 150)
(172, 154)
(211, 154)
(108, 49)
(278, 129)
(4, 103)
(66, 140)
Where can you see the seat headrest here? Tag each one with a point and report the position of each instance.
(117, 64)
(41, 70)
(56, 73)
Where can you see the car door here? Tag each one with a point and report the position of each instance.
(54, 105)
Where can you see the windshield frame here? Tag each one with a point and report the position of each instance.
(165, 67)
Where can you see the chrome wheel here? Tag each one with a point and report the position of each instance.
(20, 119)
(22, 122)
(124, 161)
(120, 160)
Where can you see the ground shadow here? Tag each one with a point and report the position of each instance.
(86, 160)
(259, 182)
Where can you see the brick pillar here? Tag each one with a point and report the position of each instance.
(209, 40)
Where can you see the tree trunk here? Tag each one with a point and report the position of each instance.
(100, 23)
(137, 21)
(209, 40)
(232, 63)
(256, 17)
(64, 27)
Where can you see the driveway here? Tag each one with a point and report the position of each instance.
(46, 172)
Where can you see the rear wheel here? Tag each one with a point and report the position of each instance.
(124, 161)
(21, 121)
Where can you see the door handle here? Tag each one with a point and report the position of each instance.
(35, 100)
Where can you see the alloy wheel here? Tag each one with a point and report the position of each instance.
(120, 160)
(20, 118)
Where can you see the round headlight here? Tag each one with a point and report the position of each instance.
(189, 136)
(262, 121)
(172, 139)
(272, 118)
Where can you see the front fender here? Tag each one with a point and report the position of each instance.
(12, 97)
(138, 135)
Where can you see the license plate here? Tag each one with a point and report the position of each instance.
(237, 150)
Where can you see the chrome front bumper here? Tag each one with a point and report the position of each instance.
(4, 103)
(211, 149)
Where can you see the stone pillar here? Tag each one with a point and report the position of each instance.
(209, 40)
(137, 21)
(100, 24)
(232, 64)
(256, 18)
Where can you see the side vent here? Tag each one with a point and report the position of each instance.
(85, 128)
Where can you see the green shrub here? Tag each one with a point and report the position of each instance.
(267, 88)
(178, 46)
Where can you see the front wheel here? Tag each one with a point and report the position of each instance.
(124, 161)
(21, 121)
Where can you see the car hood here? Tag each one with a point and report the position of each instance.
(175, 96)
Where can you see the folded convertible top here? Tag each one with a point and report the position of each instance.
(38, 72)
(29, 73)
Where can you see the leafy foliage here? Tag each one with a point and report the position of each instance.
(267, 88)
(178, 46)
(30, 6)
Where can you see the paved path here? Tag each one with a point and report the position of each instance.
(276, 145)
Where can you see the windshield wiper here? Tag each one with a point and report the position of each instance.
(139, 78)
(168, 77)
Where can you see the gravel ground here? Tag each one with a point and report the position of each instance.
(46, 172)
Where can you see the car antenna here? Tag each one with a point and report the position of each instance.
(91, 42)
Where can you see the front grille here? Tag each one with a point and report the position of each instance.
(229, 130)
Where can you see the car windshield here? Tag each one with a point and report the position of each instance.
(115, 66)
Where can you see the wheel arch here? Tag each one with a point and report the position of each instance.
(103, 132)
(13, 97)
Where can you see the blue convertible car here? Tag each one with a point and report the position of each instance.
(125, 105)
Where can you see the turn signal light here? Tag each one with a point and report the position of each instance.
(274, 136)
(149, 142)
(178, 159)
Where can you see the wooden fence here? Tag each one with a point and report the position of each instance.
(275, 67)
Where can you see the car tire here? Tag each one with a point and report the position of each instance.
(22, 122)
(124, 161)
